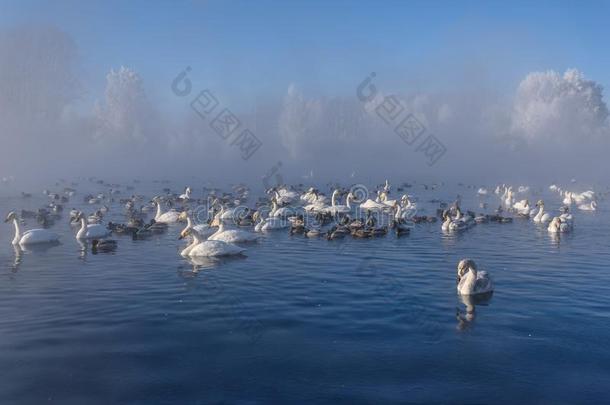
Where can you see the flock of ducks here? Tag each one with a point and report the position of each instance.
(220, 224)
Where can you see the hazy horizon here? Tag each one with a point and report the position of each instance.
(78, 102)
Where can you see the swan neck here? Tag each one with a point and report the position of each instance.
(196, 238)
(469, 281)
(17, 232)
(158, 211)
(83, 229)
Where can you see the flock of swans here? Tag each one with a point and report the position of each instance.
(230, 225)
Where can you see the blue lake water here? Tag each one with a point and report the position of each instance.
(309, 320)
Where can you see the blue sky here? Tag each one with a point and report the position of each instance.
(248, 49)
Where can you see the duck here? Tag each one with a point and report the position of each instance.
(168, 217)
(31, 237)
(313, 232)
(400, 227)
(232, 235)
(541, 217)
(103, 246)
(90, 231)
(200, 247)
(470, 281)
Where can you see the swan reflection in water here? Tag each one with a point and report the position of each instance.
(467, 316)
(205, 263)
(18, 258)
(37, 249)
(83, 245)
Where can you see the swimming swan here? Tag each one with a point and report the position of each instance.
(232, 235)
(168, 217)
(187, 194)
(337, 208)
(470, 281)
(90, 231)
(31, 237)
(588, 207)
(208, 248)
(204, 230)
(541, 216)
(557, 226)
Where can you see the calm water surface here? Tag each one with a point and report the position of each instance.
(303, 320)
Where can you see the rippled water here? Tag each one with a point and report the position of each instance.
(305, 320)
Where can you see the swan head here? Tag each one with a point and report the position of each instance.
(540, 203)
(183, 216)
(11, 215)
(185, 232)
(464, 266)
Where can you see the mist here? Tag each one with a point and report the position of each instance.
(550, 126)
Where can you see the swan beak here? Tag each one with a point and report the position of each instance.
(180, 237)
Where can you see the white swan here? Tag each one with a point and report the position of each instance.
(337, 208)
(187, 194)
(520, 205)
(370, 205)
(592, 206)
(453, 225)
(208, 248)
(318, 204)
(569, 198)
(232, 235)
(270, 224)
(508, 200)
(203, 230)
(470, 281)
(91, 231)
(31, 237)
(282, 212)
(383, 198)
(285, 196)
(557, 226)
(482, 191)
(541, 216)
(407, 204)
(523, 208)
(168, 217)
